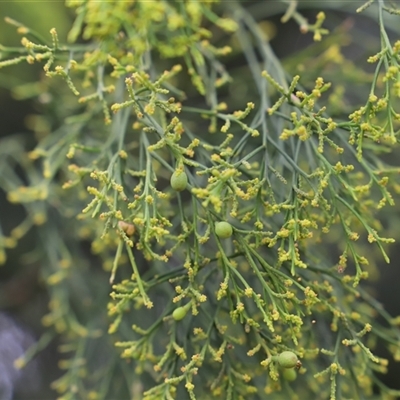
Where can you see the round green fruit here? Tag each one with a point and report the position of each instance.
(289, 374)
(179, 313)
(179, 180)
(287, 359)
(223, 229)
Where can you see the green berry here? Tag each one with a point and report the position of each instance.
(289, 374)
(223, 229)
(179, 180)
(180, 312)
(287, 359)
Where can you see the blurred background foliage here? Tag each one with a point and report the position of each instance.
(22, 295)
(343, 54)
(17, 109)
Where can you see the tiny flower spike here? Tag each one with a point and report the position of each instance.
(204, 226)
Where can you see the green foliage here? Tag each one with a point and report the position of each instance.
(145, 93)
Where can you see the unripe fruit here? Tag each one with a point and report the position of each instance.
(287, 359)
(180, 312)
(179, 180)
(289, 374)
(129, 229)
(223, 229)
